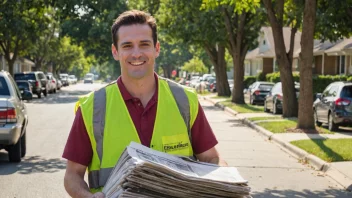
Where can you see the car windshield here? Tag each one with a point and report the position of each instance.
(265, 87)
(346, 92)
(4, 90)
(25, 77)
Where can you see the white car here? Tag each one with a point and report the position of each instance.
(72, 79)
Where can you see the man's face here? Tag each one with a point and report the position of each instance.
(136, 51)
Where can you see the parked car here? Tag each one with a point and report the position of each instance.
(334, 106)
(64, 79)
(13, 118)
(89, 78)
(52, 83)
(210, 80)
(72, 79)
(273, 101)
(24, 87)
(37, 79)
(257, 92)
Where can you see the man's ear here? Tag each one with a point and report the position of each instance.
(157, 49)
(114, 52)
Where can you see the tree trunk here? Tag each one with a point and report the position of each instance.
(237, 92)
(217, 57)
(290, 107)
(305, 113)
(10, 64)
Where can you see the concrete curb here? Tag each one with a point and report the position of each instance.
(316, 162)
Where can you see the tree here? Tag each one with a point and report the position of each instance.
(242, 25)
(172, 55)
(305, 113)
(40, 50)
(70, 57)
(195, 65)
(275, 14)
(185, 23)
(21, 23)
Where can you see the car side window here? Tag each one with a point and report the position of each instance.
(14, 85)
(333, 91)
(326, 91)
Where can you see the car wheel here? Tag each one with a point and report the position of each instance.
(332, 125)
(23, 144)
(45, 93)
(274, 108)
(40, 95)
(15, 152)
(54, 90)
(251, 99)
(265, 107)
(316, 119)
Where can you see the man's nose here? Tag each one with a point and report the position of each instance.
(136, 53)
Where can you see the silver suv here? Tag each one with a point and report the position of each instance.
(13, 118)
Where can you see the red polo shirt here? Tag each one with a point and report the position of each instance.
(78, 147)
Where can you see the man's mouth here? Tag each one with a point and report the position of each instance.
(137, 63)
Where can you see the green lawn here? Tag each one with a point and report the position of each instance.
(243, 108)
(265, 118)
(331, 150)
(205, 93)
(282, 126)
(220, 97)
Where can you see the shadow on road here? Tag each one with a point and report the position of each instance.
(268, 193)
(31, 164)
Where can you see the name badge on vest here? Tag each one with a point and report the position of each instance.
(176, 144)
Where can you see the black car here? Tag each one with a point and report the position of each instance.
(37, 79)
(273, 101)
(334, 106)
(257, 92)
(24, 86)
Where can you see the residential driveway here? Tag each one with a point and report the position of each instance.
(271, 171)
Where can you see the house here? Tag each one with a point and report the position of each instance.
(21, 64)
(263, 58)
(331, 58)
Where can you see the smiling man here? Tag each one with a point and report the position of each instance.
(140, 106)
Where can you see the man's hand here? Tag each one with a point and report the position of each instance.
(98, 195)
(211, 156)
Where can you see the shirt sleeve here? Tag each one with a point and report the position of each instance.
(203, 137)
(78, 147)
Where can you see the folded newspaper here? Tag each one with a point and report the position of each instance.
(143, 172)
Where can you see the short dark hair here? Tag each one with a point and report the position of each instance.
(132, 17)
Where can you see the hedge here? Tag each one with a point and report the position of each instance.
(320, 82)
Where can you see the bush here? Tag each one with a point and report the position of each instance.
(320, 82)
(248, 80)
(261, 76)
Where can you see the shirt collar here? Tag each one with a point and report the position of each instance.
(127, 96)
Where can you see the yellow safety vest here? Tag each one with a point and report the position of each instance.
(111, 129)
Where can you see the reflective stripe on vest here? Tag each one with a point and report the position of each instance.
(98, 177)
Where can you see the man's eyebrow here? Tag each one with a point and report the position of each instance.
(125, 43)
(146, 41)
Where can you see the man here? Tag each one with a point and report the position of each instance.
(140, 107)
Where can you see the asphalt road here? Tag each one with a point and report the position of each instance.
(270, 171)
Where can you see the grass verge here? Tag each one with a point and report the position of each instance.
(284, 126)
(330, 150)
(242, 108)
(220, 97)
(265, 118)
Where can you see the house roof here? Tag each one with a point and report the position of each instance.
(341, 45)
(318, 48)
(270, 51)
(252, 54)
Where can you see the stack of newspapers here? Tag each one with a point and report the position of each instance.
(143, 172)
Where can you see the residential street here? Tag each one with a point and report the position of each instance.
(271, 172)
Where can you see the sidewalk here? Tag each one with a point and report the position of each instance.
(341, 172)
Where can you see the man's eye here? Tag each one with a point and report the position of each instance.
(145, 44)
(126, 46)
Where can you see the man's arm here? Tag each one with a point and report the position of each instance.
(211, 156)
(74, 180)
